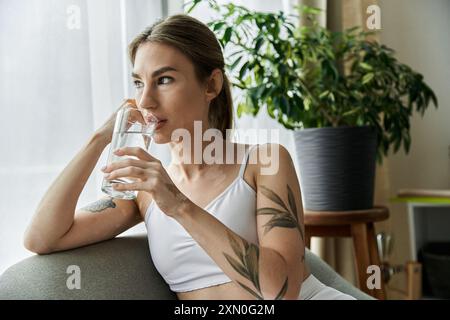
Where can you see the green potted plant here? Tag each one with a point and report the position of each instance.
(348, 100)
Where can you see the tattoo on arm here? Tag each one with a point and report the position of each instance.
(285, 218)
(100, 205)
(247, 265)
(248, 254)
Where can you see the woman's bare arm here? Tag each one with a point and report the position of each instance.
(53, 226)
(273, 268)
(101, 220)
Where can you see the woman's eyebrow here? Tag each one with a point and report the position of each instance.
(156, 72)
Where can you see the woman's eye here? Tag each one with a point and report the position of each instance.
(137, 84)
(164, 80)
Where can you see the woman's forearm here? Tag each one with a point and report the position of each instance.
(55, 212)
(262, 272)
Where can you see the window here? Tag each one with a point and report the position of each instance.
(63, 71)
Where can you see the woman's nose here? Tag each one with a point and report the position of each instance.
(146, 102)
(146, 109)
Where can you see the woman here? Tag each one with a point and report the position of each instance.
(216, 231)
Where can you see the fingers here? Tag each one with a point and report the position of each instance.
(136, 116)
(128, 172)
(136, 151)
(131, 102)
(127, 163)
(134, 186)
(146, 184)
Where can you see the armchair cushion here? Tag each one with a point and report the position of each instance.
(120, 268)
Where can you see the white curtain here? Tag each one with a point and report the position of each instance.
(63, 71)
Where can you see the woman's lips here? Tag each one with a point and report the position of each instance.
(160, 123)
(150, 119)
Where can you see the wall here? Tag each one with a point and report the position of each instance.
(419, 31)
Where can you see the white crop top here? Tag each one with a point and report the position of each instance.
(183, 264)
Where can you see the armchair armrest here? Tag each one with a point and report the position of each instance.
(120, 268)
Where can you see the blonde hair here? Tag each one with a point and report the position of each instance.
(197, 42)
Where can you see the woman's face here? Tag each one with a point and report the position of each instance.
(167, 88)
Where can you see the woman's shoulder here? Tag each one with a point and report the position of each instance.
(268, 151)
(268, 158)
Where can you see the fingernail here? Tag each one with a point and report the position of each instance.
(106, 175)
(103, 168)
(118, 151)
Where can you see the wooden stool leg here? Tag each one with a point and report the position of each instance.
(359, 235)
(375, 259)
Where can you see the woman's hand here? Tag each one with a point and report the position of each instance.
(148, 175)
(106, 130)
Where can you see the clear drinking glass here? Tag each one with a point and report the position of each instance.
(130, 130)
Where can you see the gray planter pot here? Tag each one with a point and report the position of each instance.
(337, 167)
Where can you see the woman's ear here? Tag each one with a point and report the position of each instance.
(214, 84)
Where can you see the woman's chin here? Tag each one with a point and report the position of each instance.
(159, 138)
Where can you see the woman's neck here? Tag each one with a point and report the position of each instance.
(194, 159)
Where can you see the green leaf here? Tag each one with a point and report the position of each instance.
(194, 4)
(218, 25)
(243, 70)
(365, 66)
(309, 10)
(367, 78)
(290, 31)
(285, 107)
(433, 98)
(324, 94)
(235, 63)
(240, 109)
(407, 142)
(258, 44)
(307, 103)
(235, 53)
(227, 35)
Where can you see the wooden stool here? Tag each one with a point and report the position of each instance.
(357, 224)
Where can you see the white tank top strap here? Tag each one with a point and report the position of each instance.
(244, 163)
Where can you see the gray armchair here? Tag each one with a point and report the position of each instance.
(120, 268)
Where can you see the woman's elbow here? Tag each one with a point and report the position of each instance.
(33, 244)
